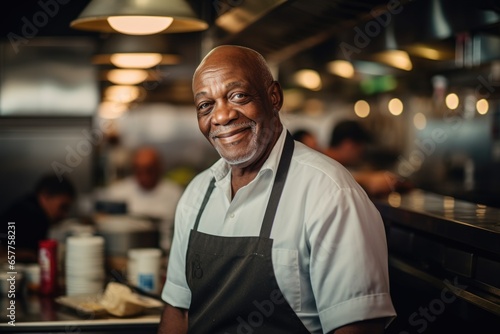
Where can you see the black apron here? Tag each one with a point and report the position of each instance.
(232, 280)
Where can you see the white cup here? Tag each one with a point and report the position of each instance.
(143, 268)
(32, 277)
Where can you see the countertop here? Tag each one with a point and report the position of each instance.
(42, 314)
(471, 224)
(439, 243)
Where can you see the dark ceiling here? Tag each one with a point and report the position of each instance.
(293, 34)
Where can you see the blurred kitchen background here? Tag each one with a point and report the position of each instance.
(423, 76)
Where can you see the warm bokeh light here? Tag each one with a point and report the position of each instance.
(309, 79)
(430, 52)
(294, 99)
(127, 77)
(122, 94)
(482, 106)
(420, 121)
(394, 199)
(395, 106)
(396, 58)
(342, 68)
(136, 60)
(452, 101)
(362, 108)
(110, 110)
(139, 25)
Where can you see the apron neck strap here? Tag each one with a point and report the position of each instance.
(279, 183)
(211, 187)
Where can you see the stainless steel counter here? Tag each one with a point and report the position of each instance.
(41, 314)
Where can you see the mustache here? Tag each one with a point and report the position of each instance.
(230, 127)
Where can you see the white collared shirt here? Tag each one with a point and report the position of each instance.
(329, 248)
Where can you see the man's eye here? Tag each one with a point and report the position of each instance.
(239, 96)
(203, 106)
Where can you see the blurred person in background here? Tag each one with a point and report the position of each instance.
(348, 145)
(35, 213)
(146, 193)
(306, 138)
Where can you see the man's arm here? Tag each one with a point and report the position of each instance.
(374, 326)
(173, 320)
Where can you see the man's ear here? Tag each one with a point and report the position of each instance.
(276, 95)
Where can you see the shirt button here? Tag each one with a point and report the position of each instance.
(231, 215)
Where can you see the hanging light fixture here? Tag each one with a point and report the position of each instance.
(392, 54)
(308, 78)
(122, 93)
(127, 76)
(139, 17)
(137, 52)
(342, 68)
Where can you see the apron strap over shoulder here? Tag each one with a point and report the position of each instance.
(279, 184)
(211, 187)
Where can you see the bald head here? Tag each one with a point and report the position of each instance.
(238, 56)
(147, 167)
(238, 103)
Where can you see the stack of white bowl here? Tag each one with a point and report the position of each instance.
(84, 264)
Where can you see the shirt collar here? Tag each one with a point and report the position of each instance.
(221, 168)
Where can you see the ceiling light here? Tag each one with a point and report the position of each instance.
(452, 101)
(110, 110)
(362, 109)
(432, 53)
(395, 58)
(127, 77)
(342, 68)
(419, 121)
(135, 60)
(482, 106)
(127, 51)
(395, 106)
(122, 93)
(139, 17)
(139, 25)
(309, 79)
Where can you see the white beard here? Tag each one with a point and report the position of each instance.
(251, 149)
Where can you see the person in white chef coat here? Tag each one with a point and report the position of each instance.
(146, 193)
(274, 237)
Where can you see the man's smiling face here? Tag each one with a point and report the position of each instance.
(235, 106)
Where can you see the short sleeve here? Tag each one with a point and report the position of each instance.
(176, 291)
(348, 264)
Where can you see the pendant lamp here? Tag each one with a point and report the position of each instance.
(139, 17)
(137, 52)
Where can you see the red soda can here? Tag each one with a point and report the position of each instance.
(47, 258)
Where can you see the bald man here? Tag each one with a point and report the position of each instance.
(147, 194)
(274, 237)
(147, 168)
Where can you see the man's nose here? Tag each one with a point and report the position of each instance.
(224, 113)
